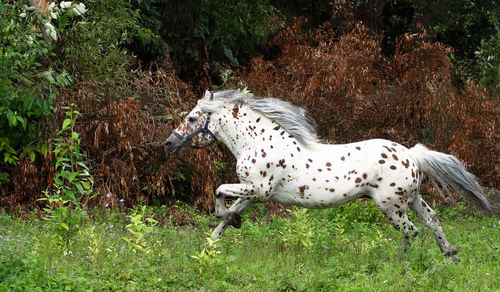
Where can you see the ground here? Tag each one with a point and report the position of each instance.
(350, 248)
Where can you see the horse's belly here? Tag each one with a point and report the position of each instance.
(313, 199)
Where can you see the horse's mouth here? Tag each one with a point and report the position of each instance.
(177, 148)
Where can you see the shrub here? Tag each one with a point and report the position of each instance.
(362, 94)
(28, 85)
(223, 30)
(95, 49)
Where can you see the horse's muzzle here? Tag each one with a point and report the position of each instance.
(174, 145)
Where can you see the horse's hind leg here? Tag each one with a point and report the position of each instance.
(395, 211)
(431, 220)
(399, 220)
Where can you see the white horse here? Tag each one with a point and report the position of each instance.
(280, 159)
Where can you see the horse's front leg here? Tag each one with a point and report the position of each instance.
(231, 217)
(239, 206)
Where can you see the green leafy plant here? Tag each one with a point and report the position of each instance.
(207, 257)
(96, 50)
(300, 230)
(63, 219)
(72, 177)
(28, 83)
(227, 30)
(140, 227)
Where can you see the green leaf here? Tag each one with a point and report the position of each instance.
(79, 187)
(85, 185)
(44, 150)
(72, 176)
(65, 124)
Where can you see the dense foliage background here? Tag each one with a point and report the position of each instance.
(88, 93)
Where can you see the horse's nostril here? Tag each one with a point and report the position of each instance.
(168, 144)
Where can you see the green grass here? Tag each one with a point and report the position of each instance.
(351, 248)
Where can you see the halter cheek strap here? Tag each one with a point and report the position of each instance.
(204, 131)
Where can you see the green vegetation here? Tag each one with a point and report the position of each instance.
(348, 248)
(28, 82)
(88, 92)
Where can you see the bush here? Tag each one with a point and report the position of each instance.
(95, 50)
(223, 30)
(28, 82)
(362, 94)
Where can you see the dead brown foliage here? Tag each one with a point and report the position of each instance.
(122, 142)
(356, 93)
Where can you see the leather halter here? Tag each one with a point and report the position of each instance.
(203, 132)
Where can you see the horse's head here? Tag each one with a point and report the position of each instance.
(192, 132)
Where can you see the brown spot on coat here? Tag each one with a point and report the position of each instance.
(328, 164)
(235, 111)
(381, 161)
(302, 190)
(393, 167)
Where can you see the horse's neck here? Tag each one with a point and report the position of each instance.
(240, 128)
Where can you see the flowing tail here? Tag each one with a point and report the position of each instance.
(448, 171)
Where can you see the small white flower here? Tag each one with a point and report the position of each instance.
(51, 6)
(79, 9)
(65, 4)
(51, 30)
(385, 281)
(22, 15)
(53, 35)
(53, 15)
(49, 26)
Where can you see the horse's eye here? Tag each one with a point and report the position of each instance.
(192, 119)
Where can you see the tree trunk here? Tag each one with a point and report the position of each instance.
(43, 7)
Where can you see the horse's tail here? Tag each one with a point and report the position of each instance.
(448, 171)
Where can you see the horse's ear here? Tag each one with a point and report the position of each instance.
(209, 95)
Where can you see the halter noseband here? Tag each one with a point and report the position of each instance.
(203, 132)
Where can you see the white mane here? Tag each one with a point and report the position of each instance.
(293, 119)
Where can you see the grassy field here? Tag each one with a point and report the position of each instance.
(351, 248)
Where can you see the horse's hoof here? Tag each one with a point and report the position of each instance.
(452, 252)
(455, 258)
(234, 219)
